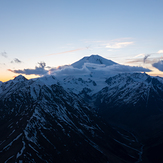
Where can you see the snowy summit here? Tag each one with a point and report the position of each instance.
(93, 59)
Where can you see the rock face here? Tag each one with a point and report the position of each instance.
(82, 118)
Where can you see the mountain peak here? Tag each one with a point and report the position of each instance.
(95, 56)
(20, 78)
(95, 59)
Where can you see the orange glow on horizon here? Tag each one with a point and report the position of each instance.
(10, 76)
(7, 78)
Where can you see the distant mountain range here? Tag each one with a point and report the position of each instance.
(97, 116)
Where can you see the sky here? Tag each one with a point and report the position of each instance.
(44, 34)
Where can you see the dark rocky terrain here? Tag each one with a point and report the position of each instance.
(117, 119)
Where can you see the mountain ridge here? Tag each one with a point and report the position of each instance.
(81, 118)
(36, 116)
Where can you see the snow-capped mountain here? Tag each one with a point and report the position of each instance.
(56, 118)
(41, 122)
(95, 66)
(129, 97)
(91, 73)
(93, 59)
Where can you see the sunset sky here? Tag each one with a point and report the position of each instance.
(60, 32)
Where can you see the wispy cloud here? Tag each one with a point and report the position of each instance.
(39, 70)
(160, 52)
(145, 57)
(142, 54)
(16, 60)
(111, 44)
(118, 45)
(4, 54)
(141, 60)
(68, 51)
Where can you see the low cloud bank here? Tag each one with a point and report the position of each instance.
(40, 70)
(125, 68)
(87, 69)
(69, 70)
(158, 65)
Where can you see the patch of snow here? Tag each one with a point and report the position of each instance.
(33, 148)
(21, 151)
(9, 159)
(140, 154)
(12, 133)
(1, 142)
(126, 145)
(9, 145)
(47, 139)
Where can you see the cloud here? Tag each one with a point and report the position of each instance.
(118, 68)
(160, 52)
(142, 54)
(40, 70)
(125, 68)
(48, 67)
(69, 70)
(96, 69)
(2, 64)
(158, 65)
(141, 60)
(118, 45)
(16, 60)
(111, 45)
(87, 69)
(94, 65)
(68, 51)
(145, 57)
(4, 54)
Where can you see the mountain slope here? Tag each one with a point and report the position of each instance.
(82, 118)
(130, 99)
(41, 122)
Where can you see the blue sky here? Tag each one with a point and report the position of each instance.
(60, 32)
